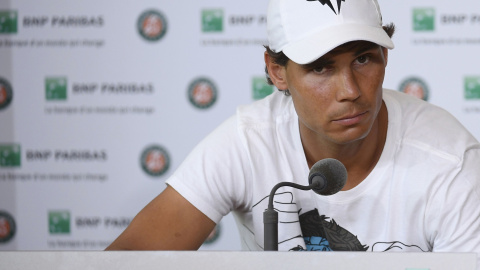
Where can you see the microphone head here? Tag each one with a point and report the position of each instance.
(331, 175)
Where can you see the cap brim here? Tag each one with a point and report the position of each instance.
(314, 46)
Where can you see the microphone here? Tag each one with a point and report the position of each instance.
(329, 175)
(326, 177)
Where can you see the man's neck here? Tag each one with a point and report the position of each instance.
(359, 157)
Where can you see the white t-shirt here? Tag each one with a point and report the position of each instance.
(423, 194)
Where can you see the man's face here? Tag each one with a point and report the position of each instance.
(338, 97)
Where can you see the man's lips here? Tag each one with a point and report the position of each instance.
(350, 119)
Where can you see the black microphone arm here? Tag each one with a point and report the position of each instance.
(270, 216)
(326, 177)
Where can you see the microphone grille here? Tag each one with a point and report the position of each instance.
(334, 173)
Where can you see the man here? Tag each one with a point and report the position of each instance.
(413, 181)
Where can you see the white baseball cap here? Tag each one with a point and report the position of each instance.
(305, 30)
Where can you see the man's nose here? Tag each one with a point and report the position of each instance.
(347, 85)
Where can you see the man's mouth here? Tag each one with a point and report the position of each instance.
(351, 119)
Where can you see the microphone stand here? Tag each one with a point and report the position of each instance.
(270, 216)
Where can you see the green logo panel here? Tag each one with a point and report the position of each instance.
(10, 155)
(423, 19)
(260, 88)
(59, 222)
(8, 21)
(56, 88)
(472, 87)
(212, 20)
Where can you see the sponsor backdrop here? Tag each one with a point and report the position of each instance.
(99, 104)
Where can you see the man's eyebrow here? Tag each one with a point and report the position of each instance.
(326, 60)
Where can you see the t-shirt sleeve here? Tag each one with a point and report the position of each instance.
(457, 209)
(213, 176)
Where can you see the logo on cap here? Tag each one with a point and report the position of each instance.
(329, 3)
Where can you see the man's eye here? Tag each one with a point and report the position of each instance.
(363, 59)
(318, 69)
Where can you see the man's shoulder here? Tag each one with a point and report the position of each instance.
(408, 110)
(266, 111)
(426, 125)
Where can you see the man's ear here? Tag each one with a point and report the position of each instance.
(276, 72)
